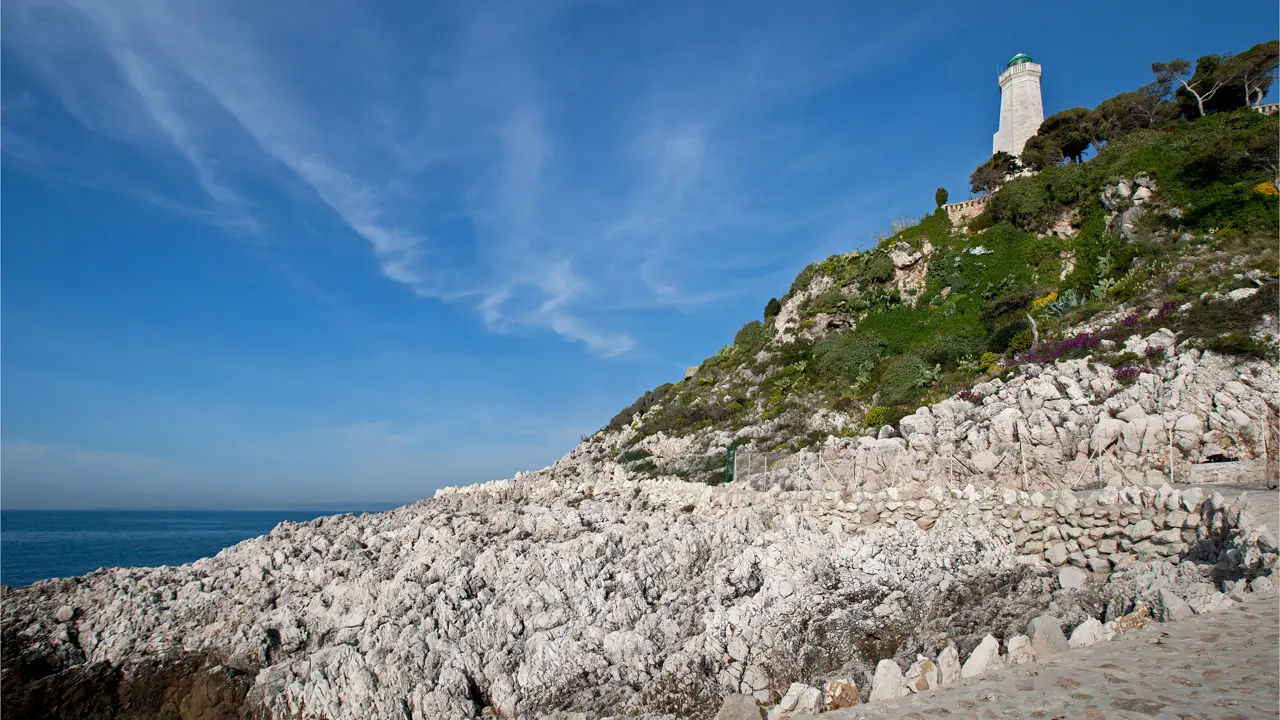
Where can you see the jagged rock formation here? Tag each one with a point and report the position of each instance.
(577, 588)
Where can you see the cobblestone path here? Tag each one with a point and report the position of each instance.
(1221, 666)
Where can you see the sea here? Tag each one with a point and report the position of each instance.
(41, 544)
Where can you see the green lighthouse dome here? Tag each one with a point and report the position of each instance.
(1019, 58)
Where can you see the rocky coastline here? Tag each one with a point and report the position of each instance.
(584, 591)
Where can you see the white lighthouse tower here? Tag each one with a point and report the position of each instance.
(1021, 111)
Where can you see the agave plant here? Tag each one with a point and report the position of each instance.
(1065, 302)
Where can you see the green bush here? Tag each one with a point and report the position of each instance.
(988, 361)
(1221, 324)
(1021, 342)
(844, 359)
(1239, 344)
(751, 339)
(947, 350)
(772, 308)
(1034, 203)
(875, 417)
(1014, 300)
(901, 379)
(832, 301)
(646, 401)
(1001, 339)
(982, 221)
(878, 268)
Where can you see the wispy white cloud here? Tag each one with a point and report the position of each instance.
(581, 197)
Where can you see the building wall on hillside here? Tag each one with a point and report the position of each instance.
(962, 212)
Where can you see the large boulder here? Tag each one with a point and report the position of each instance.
(1018, 650)
(984, 658)
(1046, 636)
(1172, 607)
(1089, 632)
(1072, 578)
(888, 682)
(949, 665)
(923, 675)
(841, 693)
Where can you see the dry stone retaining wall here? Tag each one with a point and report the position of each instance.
(1069, 424)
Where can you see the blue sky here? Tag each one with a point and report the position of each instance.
(284, 254)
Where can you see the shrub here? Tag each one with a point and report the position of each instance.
(772, 308)
(940, 196)
(845, 359)
(1042, 302)
(878, 268)
(1127, 375)
(970, 396)
(1001, 339)
(948, 349)
(894, 415)
(875, 417)
(1239, 344)
(982, 221)
(900, 379)
(1047, 352)
(632, 455)
(642, 405)
(751, 339)
(1021, 342)
(1209, 320)
(1012, 300)
(832, 301)
(988, 361)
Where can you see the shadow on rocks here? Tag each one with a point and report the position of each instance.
(186, 687)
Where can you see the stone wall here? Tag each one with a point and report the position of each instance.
(962, 212)
(1070, 424)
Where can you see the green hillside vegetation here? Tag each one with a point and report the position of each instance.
(996, 295)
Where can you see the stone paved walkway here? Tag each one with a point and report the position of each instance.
(1221, 666)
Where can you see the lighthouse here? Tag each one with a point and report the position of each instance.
(1021, 111)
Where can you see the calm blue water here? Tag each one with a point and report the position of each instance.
(40, 544)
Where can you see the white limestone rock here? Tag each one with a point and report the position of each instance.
(888, 682)
(1089, 632)
(1072, 578)
(1046, 637)
(1018, 650)
(740, 707)
(949, 665)
(984, 658)
(1172, 607)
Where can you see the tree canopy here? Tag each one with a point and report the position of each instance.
(990, 175)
